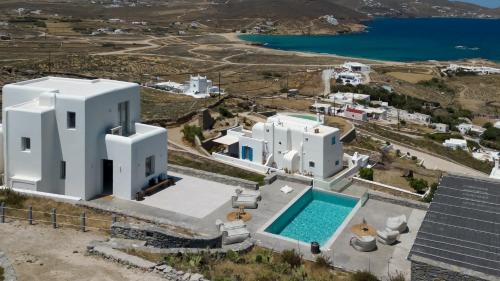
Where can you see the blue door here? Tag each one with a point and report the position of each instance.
(250, 153)
(243, 152)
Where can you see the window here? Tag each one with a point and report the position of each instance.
(334, 141)
(63, 169)
(311, 164)
(71, 120)
(150, 166)
(25, 144)
(337, 163)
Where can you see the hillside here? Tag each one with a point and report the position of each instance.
(422, 8)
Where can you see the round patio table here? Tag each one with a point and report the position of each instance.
(364, 229)
(241, 214)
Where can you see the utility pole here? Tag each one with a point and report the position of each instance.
(50, 61)
(398, 118)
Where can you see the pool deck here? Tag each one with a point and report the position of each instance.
(381, 261)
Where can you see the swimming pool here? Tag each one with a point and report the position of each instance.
(316, 216)
(303, 116)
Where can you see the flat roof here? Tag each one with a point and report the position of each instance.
(462, 225)
(295, 121)
(75, 87)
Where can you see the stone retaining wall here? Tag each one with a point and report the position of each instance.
(375, 195)
(163, 238)
(214, 177)
(387, 189)
(293, 178)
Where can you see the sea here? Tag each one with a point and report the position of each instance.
(401, 39)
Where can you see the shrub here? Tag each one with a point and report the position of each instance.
(11, 198)
(191, 131)
(399, 276)
(366, 173)
(323, 261)
(292, 258)
(419, 185)
(364, 276)
(428, 198)
(225, 112)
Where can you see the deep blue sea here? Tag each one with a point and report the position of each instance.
(401, 40)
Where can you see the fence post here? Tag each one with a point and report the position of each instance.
(30, 215)
(53, 218)
(83, 218)
(2, 212)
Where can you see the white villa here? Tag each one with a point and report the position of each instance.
(349, 77)
(79, 138)
(416, 117)
(288, 143)
(198, 87)
(356, 67)
(455, 144)
(348, 98)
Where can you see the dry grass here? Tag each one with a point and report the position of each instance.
(410, 77)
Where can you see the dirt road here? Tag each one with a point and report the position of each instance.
(42, 253)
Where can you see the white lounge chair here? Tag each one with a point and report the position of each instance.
(249, 193)
(233, 236)
(398, 223)
(247, 202)
(223, 226)
(363, 243)
(387, 236)
(286, 189)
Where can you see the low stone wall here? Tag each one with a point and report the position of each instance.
(380, 196)
(213, 177)
(423, 271)
(163, 238)
(387, 189)
(293, 178)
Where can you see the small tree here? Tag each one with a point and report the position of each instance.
(419, 185)
(364, 276)
(225, 112)
(191, 131)
(366, 173)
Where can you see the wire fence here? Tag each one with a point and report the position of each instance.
(80, 222)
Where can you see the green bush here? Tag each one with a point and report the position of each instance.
(191, 131)
(428, 198)
(399, 276)
(323, 261)
(366, 173)
(225, 112)
(364, 276)
(11, 198)
(292, 258)
(419, 185)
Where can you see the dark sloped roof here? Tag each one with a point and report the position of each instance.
(462, 225)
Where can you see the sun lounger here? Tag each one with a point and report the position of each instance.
(363, 243)
(387, 236)
(397, 223)
(223, 226)
(246, 202)
(233, 236)
(248, 193)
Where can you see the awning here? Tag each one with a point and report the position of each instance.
(227, 140)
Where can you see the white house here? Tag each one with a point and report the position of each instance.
(198, 87)
(443, 128)
(497, 125)
(455, 144)
(349, 77)
(355, 114)
(470, 129)
(348, 98)
(80, 138)
(356, 67)
(416, 117)
(285, 142)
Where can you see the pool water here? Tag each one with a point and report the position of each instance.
(304, 116)
(315, 216)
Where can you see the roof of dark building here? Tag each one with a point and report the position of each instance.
(462, 225)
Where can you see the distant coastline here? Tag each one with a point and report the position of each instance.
(399, 39)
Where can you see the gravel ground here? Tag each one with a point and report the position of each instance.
(42, 253)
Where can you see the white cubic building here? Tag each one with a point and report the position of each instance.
(356, 67)
(198, 87)
(349, 77)
(348, 98)
(80, 138)
(455, 144)
(285, 142)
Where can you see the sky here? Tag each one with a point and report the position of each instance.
(486, 3)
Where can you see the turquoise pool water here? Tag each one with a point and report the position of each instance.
(304, 116)
(315, 216)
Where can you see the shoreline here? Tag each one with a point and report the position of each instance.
(235, 40)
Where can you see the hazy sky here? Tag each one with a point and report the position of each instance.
(487, 3)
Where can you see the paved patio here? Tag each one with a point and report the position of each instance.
(191, 196)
